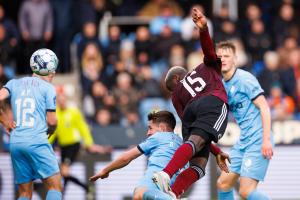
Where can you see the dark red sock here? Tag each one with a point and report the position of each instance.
(182, 155)
(184, 180)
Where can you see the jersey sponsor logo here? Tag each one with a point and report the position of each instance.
(234, 107)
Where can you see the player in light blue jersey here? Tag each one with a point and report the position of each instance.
(33, 105)
(159, 147)
(251, 154)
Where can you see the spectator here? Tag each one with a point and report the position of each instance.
(258, 41)
(283, 23)
(282, 106)
(164, 42)
(127, 56)
(98, 92)
(112, 48)
(36, 26)
(149, 87)
(177, 55)
(126, 94)
(166, 18)
(253, 12)
(228, 31)
(63, 30)
(88, 35)
(103, 117)
(143, 43)
(187, 25)
(92, 67)
(269, 75)
(109, 101)
(152, 8)
(7, 50)
(220, 17)
(131, 118)
(11, 29)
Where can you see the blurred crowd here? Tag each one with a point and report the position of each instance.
(121, 73)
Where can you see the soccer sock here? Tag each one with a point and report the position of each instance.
(23, 198)
(186, 178)
(255, 195)
(182, 155)
(225, 195)
(54, 195)
(156, 194)
(76, 181)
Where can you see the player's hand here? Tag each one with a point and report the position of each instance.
(221, 161)
(102, 175)
(198, 18)
(267, 149)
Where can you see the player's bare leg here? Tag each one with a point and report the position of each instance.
(53, 185)
(138, 193)
(225, 183)
(25, 190)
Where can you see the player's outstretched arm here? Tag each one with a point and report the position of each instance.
(123, 160)
(267, 147)
(205, 39)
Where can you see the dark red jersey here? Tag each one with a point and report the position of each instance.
(204, 80)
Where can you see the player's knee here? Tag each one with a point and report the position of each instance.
(138, 194)
(54, 182)
(196, 142)
(244, 192)
(223, 185)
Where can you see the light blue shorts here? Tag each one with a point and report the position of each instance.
(249, 162)
(33, 161)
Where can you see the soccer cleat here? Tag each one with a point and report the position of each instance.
(162, 181)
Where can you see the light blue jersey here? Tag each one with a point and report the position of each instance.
(242, 89)
(30, 98)
(159, 148)
(246, 157)
(31, 154)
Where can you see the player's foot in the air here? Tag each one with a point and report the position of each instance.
(162, 181)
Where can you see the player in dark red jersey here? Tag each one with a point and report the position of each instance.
(200, 100)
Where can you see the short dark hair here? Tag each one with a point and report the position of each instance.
(226, 45)
(163, 117)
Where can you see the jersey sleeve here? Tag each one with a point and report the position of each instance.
(148, 145)
(9, 86)
(251, 87)
(51, 99)
(210, 56)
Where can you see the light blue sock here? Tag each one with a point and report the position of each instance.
(23, 198)
(54, 195)
(156, 194)
(225, 195)
(256, 195)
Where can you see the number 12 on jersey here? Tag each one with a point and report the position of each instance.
(25, 107)
(193, 88)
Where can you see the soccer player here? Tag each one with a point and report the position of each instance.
(159, 146)
(200, 100)
(70, 123)
(33, 104)
(251, 154)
